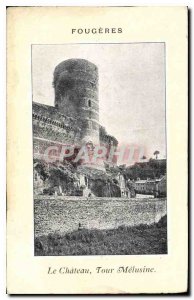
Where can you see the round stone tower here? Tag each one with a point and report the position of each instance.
(76, 95)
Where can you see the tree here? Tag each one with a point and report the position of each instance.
(144, 157)
(42, 170)
(156, 153)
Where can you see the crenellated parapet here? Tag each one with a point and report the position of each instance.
(74, 118)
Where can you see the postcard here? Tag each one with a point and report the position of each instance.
(97, 150)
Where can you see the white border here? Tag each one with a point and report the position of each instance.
(3, 5)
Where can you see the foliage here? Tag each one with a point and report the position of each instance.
(142, 239)
(156, 153)
(151, 169)
(57, 174)
(41, 168)
(64, 175)
(144, 157)
(105, 188)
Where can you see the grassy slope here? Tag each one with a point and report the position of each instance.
(142, 239)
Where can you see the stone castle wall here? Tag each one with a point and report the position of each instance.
(74, 119)
(60, 215)
(50, 128)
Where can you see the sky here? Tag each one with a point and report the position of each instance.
(131, 87)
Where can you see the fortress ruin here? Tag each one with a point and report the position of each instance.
(74, 118)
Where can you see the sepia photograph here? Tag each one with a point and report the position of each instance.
(99, 149)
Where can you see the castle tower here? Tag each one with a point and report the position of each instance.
(76, 95)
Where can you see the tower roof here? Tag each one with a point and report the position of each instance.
(75, 65)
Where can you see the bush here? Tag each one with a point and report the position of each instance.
(162, 222)
(125, 240)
